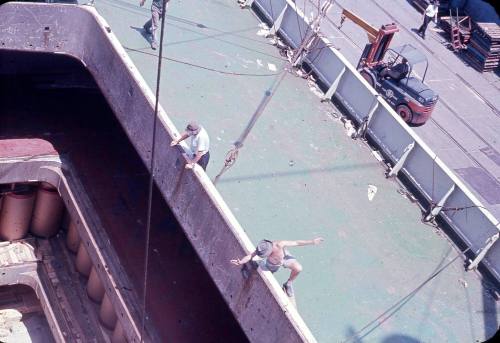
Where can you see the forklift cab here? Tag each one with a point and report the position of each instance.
(405, 54)
(396, 79)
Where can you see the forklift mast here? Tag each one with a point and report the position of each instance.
(373, 52)
(379, 40)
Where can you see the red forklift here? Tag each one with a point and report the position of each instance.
(391, 71)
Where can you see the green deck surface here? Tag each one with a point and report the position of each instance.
(299, 176)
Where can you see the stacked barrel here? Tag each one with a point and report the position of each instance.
(15, 214)
(48, 211)
(40, 210)
(95, 287)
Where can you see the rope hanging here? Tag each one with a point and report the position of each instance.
(232, 154)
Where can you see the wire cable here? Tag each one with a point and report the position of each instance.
(400, 303)
(151, 177)
(298, 22)
(232, 154)
(197, 65)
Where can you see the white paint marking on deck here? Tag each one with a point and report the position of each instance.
(219, 54)
(314, 147)
(271, 67)
(372, 190)
(244, 60)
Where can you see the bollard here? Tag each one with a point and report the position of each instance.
(83, 262)
(118, 334)
(15, 215)
(95, 288)
(107, 313)
(48, 212)
(72, 238)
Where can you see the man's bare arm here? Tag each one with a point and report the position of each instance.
(197, 157)
(195, 160)
(244, 260)
(300, 243)
(176, 141)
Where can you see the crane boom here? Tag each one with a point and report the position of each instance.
(370, 30)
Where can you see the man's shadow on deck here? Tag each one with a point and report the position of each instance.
(143, 33)
(353, 337)
(298, 172)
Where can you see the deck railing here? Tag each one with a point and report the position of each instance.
(445, 195)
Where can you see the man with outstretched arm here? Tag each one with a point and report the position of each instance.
(276, 256)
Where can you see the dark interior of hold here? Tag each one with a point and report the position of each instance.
(26, 312)
(53, 97)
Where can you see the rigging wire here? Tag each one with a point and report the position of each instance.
(197, 65)
(383, 317)
(231, 159)
(298, 21)
(432, 203)
(272, 11)
(152, 166)
(233, 153)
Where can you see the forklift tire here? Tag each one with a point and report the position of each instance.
(405, 113)
(368, 77)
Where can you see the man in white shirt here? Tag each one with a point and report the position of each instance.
(200, 145)
(430, 13)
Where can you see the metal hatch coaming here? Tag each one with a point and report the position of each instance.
(51, 29)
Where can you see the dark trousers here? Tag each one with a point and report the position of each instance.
(423, 27)
(152, 25)
(203, 161)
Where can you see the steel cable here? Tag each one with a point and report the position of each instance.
(152, 166)
(232, 154)
(384, 316)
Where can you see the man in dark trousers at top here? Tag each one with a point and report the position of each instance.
(152, 25)
(430, 13)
